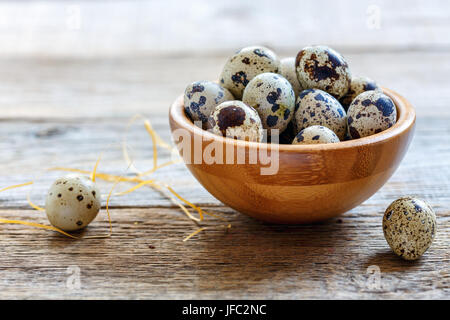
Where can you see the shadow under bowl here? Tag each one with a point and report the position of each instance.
(309, 182)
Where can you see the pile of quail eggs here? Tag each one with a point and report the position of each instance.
(309, 99)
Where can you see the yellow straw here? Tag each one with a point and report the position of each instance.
(37, 225)
(95, 168)
(34, 206)
(194, 234)
(17, 186)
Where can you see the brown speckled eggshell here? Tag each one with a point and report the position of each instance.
(371, 112)
(321, 67)
(316, 107)
(201, 97)
(357, 86)
(273, 98)
(244, 65)
(315, 135)
(72, 202)
(409, 226)
(234, 119)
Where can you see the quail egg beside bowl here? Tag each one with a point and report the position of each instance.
(409, 226)
(72, 202)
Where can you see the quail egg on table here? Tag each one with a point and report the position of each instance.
(409, 226)
(323, 68)
(273, 98)
(72, 202)
(201, 97)
(244, 65)
(234, 119)
(358, 85)
(369, 113)
(315, 135)
(287, 70)
(316, 107)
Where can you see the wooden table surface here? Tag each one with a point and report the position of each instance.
(62, 110)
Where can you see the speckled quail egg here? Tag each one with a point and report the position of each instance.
(320, 67)
(409, 226)
(315, 135)
(235, 119)
(369, 113)
(272, 96)
(287, 70)
(357, 86)
(244, 65)
(201, 97)
(72, 202)
(316, 107)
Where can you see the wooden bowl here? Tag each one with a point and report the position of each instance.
(313, 183)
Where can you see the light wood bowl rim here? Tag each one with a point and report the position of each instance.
(406, 116)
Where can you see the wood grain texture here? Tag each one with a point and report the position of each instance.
(252, 260)
(45, 87)
(146, 258)
(28, 148)
(65, 111)
(291, 183)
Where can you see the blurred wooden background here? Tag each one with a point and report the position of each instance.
(85, 58)
(114, 28)
(73, 72)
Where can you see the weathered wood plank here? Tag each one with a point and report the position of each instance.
(119, 87)
(29, 148)
(64, 112)
(146, 258)
(252, 260)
